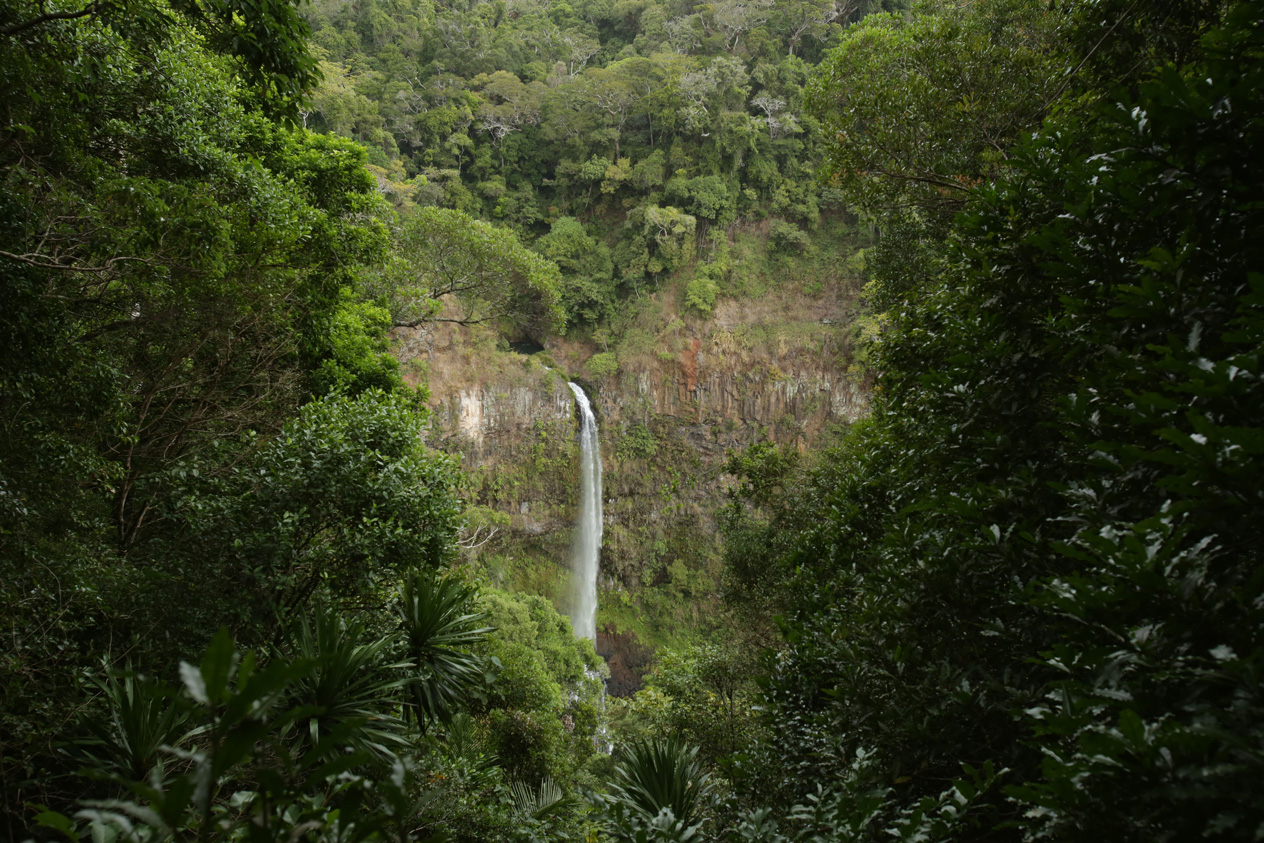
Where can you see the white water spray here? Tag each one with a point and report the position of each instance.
(586, 552)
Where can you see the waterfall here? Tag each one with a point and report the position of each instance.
(587, 548)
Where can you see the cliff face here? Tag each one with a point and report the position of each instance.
(674, 419)
(670, 405)
(714, 392)
(717, 407)
(486, 422)
(712, 408)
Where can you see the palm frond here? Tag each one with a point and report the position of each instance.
(350, 689)
(547, 800)
(439, 628)
(145, 716)
(654, 775)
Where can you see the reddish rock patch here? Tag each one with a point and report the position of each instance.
(629, 660)
(689, 364)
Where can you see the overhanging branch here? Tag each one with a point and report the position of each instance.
(42, 262)
(15, 28)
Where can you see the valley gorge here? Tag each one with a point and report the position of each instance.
(631, 421)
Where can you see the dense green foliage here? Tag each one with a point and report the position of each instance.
(204, 430)
(917, 112)
(443, 255)
(171, 262)
(316, 737)
(1029, 608)
(1021, 602)
(547, 694)
(613, 135)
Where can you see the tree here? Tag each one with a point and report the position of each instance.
(918, 112)
(484, 273)
(509, 105)
(735, 18)
(268, 40)
(344, 499)
(588, 293)
(708, 197)
(543, 715)
(811, 17)
(707, 696)
(613, 94)
(176, 269)
(662, 240)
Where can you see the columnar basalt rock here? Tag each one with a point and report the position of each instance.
(485, 420)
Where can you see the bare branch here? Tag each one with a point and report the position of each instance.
(42, 262)
(13, 29)
(473, 542)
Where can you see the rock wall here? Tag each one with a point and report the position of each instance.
(716, 407)
(490, 420)
(723, 408)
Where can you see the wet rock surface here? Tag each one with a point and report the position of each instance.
(628, 659)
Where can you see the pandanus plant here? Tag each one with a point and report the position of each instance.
(439, 628)
(349, 686)
(660, 792)
(145, 719)
(279, 748)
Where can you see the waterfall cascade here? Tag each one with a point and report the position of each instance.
(586, 552)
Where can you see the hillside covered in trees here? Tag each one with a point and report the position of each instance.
(623, 139)
(242, 593)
